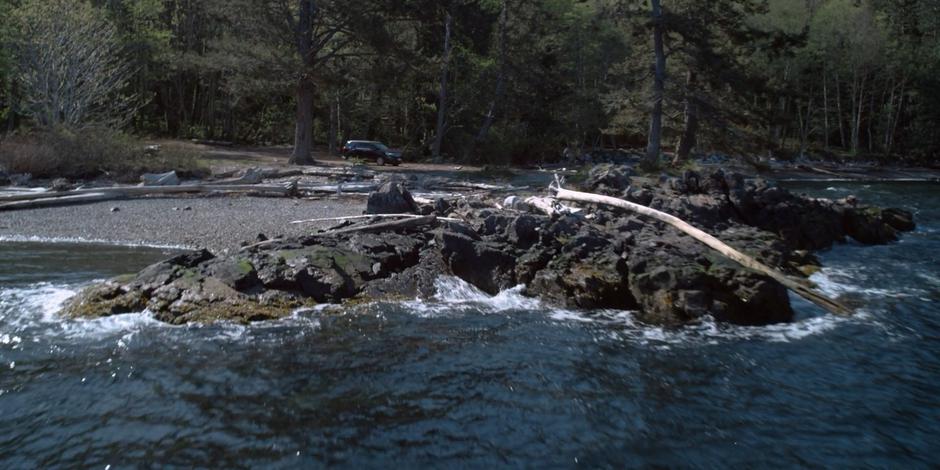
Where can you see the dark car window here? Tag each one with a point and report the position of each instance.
(381, 147)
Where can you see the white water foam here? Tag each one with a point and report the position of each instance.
(23, 307)
(33, 312)
(90, 241)
(456, 297)
(835, 282)
(299, 321)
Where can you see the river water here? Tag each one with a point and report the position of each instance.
(469, 380)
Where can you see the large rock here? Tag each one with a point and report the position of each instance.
(484, 264)
(608, 179)
(391, 198)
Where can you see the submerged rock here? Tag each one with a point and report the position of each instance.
(613, 260)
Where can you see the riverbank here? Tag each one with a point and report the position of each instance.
(216, 223)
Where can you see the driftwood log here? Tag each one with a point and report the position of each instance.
(63, 200)
(79, 196)
(387, 226)
(371, 216)
(798, 286)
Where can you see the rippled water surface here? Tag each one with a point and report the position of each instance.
(472, 381)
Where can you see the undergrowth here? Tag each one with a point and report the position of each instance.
(92, 153)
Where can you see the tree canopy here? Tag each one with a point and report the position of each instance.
(509, 81)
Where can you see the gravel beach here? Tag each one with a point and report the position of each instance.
(216, 223)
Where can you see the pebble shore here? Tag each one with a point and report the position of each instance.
(216, 223)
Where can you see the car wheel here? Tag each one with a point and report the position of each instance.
(380, 161)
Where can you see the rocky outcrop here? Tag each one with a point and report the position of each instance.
(611, 260)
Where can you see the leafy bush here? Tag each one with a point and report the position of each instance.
(92, 153)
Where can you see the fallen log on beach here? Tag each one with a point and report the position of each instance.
(386, 226)
(369, 216)
(799, 287)
(50, 198)
(58, 201)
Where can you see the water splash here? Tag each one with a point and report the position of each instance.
(91, 241)
(456, 297)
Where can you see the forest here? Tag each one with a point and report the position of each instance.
(484, 81)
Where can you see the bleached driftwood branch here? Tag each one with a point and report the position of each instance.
(387, 226)
(799, 287)
(51, 198)
(371, 216)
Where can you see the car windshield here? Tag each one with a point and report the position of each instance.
(380, 147)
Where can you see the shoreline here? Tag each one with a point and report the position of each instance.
(216, 223)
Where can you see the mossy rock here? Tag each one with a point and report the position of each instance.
(105, 300)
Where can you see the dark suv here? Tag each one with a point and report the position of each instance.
(371, 150)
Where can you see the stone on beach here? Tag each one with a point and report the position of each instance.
(391, 198)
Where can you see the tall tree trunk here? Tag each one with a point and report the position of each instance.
(442, 95)
(858, 103)
(871, 119)
(889, 111)
(500, 79)
(303, 131)
(689, 134)
(839, 112)
(897, 119)
(806, 121)
(11, 113)
(306, 91)
(653, 146)
(826, 109)
(331, 139)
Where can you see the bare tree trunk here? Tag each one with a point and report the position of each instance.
(688, 140)
(654, 146)
(500, 79)
(826, 109)
(806, 121)
(897, 118)
(839, 112)
(303, 132)
(889, 111)
(858, 97)
(871, 118)
(442, 96)
(11, 113)
(341, 133)
(331, 139)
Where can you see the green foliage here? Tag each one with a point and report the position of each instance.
(6, 60)
(786, 76)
